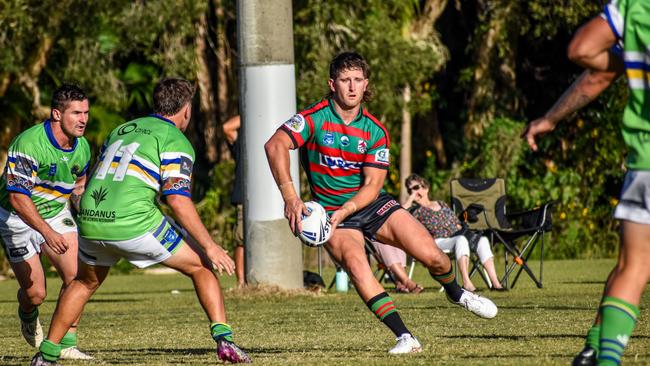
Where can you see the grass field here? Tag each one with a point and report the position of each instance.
(137, 320)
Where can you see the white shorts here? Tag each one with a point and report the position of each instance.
(21, 241)
(635, 198)
(143, 251)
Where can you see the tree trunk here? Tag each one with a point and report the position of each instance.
(208, 107)
(437, 141)
(494, 74)
(406, 142)
(223, 70)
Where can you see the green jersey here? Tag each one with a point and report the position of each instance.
(333, 154)
(630, 22)
(40, 168)
(139, 160)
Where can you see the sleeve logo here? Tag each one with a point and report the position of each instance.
(23, 166)
(382, 156)
(296, 123)
(186, 166)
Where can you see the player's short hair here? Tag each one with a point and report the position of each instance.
(65, 94)
(350, 60)
(170, 95)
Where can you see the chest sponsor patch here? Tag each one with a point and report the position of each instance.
(382, 156)
(336, 162)
(296, 123)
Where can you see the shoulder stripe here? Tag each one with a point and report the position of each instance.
(379, 124)
(317, 107)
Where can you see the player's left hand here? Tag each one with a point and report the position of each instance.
(220, 259)
(537, 127)
(337, 217)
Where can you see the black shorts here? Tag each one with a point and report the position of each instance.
(370, 218)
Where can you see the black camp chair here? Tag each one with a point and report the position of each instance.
(482, 204)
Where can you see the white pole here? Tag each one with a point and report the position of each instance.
(268, 98)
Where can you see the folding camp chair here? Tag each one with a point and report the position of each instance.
(482, 203)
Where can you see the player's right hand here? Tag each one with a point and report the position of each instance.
(539, 126)
(220, 259)
(56, 242)
(293, 211)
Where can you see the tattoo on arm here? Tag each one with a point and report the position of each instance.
(75, 200)
(572, 100)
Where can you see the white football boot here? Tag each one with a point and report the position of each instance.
(477, 304)
(73, 353)
(32, 332)
(406, 343)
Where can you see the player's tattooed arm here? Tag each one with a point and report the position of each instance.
(584, 90)
(75, 196)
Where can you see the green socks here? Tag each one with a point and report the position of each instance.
(221, 330)
(593, 337)
(69, 340)
(618, 319)
(50, 351)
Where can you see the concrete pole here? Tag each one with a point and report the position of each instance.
(268, 99)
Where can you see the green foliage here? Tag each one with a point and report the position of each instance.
(215, 209)
(380, 31)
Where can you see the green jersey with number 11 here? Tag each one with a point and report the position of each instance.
(139, 159)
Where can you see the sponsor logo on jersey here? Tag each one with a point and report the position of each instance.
(362, 146)
(23, 166)
(132, 127)
(336, 162)
(68, 222)
(99, 195)
(186, 166)
(328, 139)
(97, 215)
(382, 156)
(18, 252)
(296, 123)
(64, 159)
(345, 141)
(386, 207)
(52, 170)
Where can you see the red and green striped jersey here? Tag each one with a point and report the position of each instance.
(333, 154)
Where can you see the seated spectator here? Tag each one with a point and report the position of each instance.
(443, 225)
(395, 260)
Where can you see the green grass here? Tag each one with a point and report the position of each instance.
(136, 320)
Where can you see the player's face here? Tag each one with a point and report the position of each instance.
(348, 88)
(74, 118)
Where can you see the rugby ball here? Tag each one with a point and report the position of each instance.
(316, 227)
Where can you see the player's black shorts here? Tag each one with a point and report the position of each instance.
(370, 218)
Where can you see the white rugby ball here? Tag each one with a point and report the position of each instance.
(316, 227)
